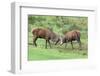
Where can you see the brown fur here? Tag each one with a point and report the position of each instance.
(46, 34)
(71, 36)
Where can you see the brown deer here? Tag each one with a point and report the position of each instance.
(46, 34)
(71, 36)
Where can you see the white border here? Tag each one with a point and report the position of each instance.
(19, 38)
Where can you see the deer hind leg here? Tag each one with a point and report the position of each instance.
(72, 45)
(79, 41)
(34, 41)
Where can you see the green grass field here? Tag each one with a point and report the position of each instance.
(57, 51)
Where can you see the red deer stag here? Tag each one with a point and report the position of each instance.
(46, 34)
(71, 36)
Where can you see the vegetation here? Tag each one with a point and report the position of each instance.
(59, 24)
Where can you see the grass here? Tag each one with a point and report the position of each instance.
(57, 51)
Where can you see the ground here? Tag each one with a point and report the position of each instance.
(57, 51)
